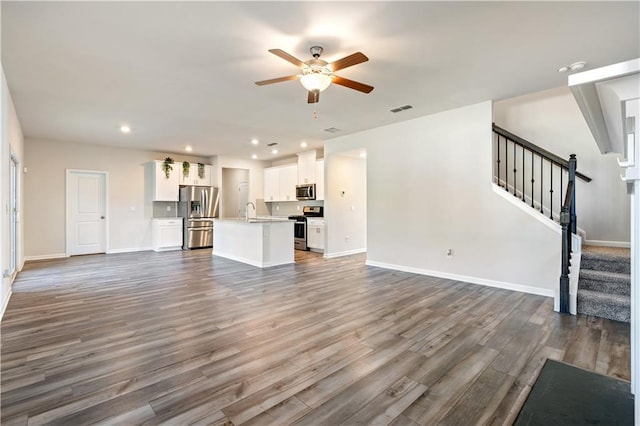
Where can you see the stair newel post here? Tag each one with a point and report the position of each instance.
(565, 218)
(572, 178)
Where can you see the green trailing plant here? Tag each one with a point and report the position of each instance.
(185, 168)
(201, 170)
(166, 166)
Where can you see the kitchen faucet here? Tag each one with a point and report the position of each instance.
(247, 209)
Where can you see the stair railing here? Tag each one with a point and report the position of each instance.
(531, 173)
(530, 164)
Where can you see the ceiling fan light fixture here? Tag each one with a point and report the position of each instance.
(315, 81)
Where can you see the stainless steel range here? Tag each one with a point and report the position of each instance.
(300, 226)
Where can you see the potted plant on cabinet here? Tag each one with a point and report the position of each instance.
(166, 166)
(185, 169)
(201, 170)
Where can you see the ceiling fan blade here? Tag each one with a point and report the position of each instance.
(347, 61)
(277, 80)
(284, 55)
(361, 87)
(313, 96)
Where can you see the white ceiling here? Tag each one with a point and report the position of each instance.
(183, 73)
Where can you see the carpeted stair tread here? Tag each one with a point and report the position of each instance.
(612, 306)
(606, 282)
(606, 262)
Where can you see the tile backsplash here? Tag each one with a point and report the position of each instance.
(289, 208)
(160, 209)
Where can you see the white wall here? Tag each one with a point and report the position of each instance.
(552, 120)
(429, 190)
(11, 142)
(256, 177)
(346, 200)
(44, 202)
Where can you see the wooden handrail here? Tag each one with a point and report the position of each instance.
(536, 149)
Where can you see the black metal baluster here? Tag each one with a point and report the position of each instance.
(551, 192)
(532, 179)
(498, 147)
(506, 164)
(541, 185)
(515, 179)
(523, 184)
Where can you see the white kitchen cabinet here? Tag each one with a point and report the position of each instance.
(271, 184)
(320, 180)
(193, 178)
(307, 167)
(280, 183)
(315, 233)
(158, 186)
(167, 234)
(288, 182)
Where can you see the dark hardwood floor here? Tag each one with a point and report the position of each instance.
(187, 338)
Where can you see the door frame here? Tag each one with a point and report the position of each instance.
(67, 209)
(15, 235)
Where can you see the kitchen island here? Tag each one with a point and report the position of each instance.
(260, 242)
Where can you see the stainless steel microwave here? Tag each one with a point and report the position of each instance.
(306, 191)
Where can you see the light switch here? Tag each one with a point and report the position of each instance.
(132, 208)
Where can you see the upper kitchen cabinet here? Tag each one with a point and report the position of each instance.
(319, 180)
(160, 186)
(306, 167)
(272, 184)
(288, 182)
(280, 183)
(195, 176)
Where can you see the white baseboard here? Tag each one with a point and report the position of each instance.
(345, 253)
(622, 244)
(128, 250)
(6, 303)
(473, 280)
(45, 257)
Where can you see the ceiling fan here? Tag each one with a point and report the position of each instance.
(316, 74)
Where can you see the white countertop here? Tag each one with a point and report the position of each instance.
(259, 219)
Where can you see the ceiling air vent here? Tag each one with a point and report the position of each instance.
(332, 130)
(402, 108)
(272, 144)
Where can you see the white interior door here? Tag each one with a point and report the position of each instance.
(87, 213)
(243, 198)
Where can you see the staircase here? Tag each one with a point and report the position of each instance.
(604, 286)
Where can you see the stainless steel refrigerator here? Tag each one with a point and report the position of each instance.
(198, 206)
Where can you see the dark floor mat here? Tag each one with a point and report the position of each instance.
(567, 395)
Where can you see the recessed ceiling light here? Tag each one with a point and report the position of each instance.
(255, 141)
(577, 65)
(188, 148)
(254, 156)
(274, 151)
(125, 129)
(303, 144)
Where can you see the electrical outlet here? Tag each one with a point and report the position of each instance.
(278, 207)
(132, 208)
(168, 208)
(298, 208)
